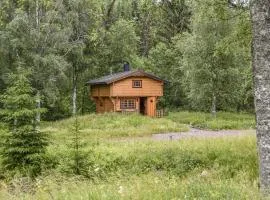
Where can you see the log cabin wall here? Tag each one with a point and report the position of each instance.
(101, 91)
(150, 87)
(104, 104)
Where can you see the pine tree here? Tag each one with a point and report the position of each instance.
(78, 157)
(24, 145)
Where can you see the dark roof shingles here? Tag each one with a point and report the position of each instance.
(118, 76)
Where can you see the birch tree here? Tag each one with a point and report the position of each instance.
(260, 12)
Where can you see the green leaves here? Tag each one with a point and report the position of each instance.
(201, 47)
(211, 58)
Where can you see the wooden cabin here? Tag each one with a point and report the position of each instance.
(127, 91)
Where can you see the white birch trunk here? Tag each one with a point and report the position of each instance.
(37, 13)
(38, 101)
(38, 98)
(214, 105)
(74, 100)
(15, 122)
(260, 14)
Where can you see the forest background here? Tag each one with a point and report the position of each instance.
(201, 47)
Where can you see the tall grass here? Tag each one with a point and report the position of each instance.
(115, 125)
(149, 187)
(223, 120)
(188, 169)
(226, 156)
(213, 168)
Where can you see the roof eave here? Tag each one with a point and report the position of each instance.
(97, 83)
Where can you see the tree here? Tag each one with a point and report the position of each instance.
(145, 15)
(261, 69)
(113, 47)
(24, 144)
(165, 60)
(212, 71)
(175, 16)
(79, 14)
(78, 156)
(36, 36)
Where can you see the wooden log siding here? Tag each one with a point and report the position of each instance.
(101, 91)
(149, 87)
(104, 104)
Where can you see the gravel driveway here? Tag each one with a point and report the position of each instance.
(197, 133)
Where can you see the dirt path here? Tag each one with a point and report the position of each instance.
(197, 133)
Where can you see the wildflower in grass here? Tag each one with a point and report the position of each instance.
(121, 189)
(204, 173)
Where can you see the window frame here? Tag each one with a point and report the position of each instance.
(127, 104)
(136, 86)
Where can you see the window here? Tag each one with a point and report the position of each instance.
(127, 104)
(137, 83)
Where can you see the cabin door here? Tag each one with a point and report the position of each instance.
(143, 102)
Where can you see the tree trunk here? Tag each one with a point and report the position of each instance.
(260, 14)
(38, 101)
(37, 13)
(74, 100)
(214, 105)
(74, 90)
(146, 36)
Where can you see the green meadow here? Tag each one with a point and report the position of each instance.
(121, 161)
(222, 121)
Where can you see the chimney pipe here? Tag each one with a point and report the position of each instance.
(126, 67)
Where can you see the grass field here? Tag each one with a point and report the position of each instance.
(189, 169)
(218, 168)
(223, 120)
(115, 125)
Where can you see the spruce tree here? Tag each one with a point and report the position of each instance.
(24, 145)
(78, 156)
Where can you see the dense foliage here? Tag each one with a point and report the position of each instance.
(200, 47)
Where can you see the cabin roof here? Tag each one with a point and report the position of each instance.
(121, 75)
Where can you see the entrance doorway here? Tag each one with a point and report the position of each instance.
(143, 101)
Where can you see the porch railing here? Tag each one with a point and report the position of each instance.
(161, 113)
